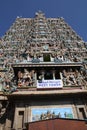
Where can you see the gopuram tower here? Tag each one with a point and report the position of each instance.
(43, 72)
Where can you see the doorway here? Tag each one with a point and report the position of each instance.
(46, 57)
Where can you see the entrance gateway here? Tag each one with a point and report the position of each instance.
(43, 74)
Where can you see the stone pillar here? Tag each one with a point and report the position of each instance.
(35, 79)
(15, 118)
(61, 76)
(27, 114)
(43, 75)
(2, 127)
(53, 74)
(8, 124)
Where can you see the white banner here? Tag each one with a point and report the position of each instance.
(49, 83)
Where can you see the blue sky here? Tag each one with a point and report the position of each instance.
(73, 11)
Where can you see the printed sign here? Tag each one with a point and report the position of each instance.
(49, 113)
(49, 83)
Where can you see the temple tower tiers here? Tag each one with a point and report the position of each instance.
(43, 72)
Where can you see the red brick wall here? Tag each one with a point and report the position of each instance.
(58, 124)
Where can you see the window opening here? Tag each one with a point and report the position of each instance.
(82, 113)
(46, 57)
(48, 75)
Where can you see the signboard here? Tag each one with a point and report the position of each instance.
(50, 83)
(49, 113)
